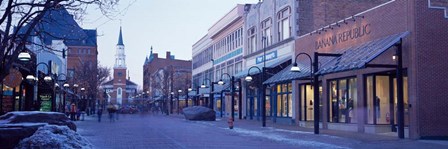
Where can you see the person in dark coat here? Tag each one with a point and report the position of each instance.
(100, 112)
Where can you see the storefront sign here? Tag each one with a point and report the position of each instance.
(45, 104)
(351, 34)
(269, 56)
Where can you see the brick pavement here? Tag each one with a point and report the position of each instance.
(160, 131)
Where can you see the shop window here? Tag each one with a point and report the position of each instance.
(369, 102)
(268, 103)
(405, 101)
(279, 100)
(284, 100)
(379, 96)
(255, 105)
(238, 67)
(343, 99)
(290, 104)
(230, 69)
(378, 99)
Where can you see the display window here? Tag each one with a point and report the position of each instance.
(343, 100)
(382, 99)
(284, 100)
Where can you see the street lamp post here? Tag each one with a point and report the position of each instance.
(240, 100)
(197, 95)
(262, 87)
(263, 93)
(57, 80)
(315, 76)
(232, 92)
(83, 98)
(75, 93)
(178, 103)
(188, 91)
(66, 86)
(211, 98)
(171, 102)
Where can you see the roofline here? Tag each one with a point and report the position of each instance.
(202, 38)
(236, 7)
(239, 18)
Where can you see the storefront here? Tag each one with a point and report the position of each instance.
(280, 103)
(359, 88)
(277, 57)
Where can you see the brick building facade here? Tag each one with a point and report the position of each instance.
(270, 30)
(170, 67)
(356, 97)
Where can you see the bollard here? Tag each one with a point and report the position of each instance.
(230, 122)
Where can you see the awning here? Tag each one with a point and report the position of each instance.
(358, 56)
(269, 64)
(287, 75)
(352, 58)
(219, 88)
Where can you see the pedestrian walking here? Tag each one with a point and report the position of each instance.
(100, 112)
(73, 112)
(117, 111)
(111, 111)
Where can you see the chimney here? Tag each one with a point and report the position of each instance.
(168, 55)
(156, 56)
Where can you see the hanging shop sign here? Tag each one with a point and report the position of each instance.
(45, 104)
(13, 79)
(344, 36)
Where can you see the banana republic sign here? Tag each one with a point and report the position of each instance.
(344, 36)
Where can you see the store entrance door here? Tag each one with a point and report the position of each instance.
(382, 100)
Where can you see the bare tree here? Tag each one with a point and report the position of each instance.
(22, 19)
(103, 74)
(90, 78)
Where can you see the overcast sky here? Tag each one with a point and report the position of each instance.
(167, 25)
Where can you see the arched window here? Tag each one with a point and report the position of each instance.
(251, 40)
(284, 26)
(119, 91)
(266, 32)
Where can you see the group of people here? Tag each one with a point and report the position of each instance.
(73, 112)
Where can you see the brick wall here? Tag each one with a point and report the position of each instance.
(319, 13)
(161, 63)
(431, 69)
(424, 54)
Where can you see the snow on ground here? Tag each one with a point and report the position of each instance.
(52, 136)
(278, 137)
(300, 132)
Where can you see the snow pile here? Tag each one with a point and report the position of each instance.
(52, 136)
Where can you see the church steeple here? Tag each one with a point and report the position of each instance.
(120, 39)
(120, 56)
